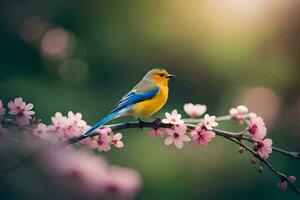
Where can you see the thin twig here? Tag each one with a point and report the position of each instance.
(198, 120)
(278, 173)
(239, 136)
(295, 155)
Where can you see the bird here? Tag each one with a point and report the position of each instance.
(143, 100)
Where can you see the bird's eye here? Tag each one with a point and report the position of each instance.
(161, 75)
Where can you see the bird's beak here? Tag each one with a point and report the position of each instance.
(170, 76)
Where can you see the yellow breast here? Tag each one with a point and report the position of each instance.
(149, 107)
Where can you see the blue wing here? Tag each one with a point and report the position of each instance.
(143, 91)
(120, 108)
(134, 97)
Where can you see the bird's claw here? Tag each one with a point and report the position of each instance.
(140, 124)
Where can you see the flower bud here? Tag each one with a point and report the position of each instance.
(261, 169)
(292, 179)
(254, 160)
(282, 185)
(242, 149)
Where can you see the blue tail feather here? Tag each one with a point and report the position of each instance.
(100, 123)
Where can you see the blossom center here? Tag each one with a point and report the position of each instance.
(20, 114)
(100, 142)
(176, 135)
(200, 136)
(252, 129)
(260, 145)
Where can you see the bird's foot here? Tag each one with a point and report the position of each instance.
(140, 124)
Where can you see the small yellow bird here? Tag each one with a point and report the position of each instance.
(144, 100)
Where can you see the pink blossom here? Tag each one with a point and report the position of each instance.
(103, 140)
(105, 131)
(22, 111)
(60, 122)
(264, 148)
(41, 131)
(209, 122)
(261, 169)
(282, 185)
(202, 136)
(177, 136)
(160, 132)
(2, 109)
(68, 127)
(239, 113)
(77, 167)
(90, 142)
(252, 115)
(257, 129)
(292, 179)
(76, 119)
(173, 118)
(121, 183)
(86, 175)
(116, 140)
(194, 111)
(75, 125)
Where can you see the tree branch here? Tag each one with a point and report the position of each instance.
(278, 173)
(235, 137)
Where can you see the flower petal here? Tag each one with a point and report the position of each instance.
(179, 143)
(186, 138)
(169, 140)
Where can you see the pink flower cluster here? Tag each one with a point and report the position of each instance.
(201, 136)
(62, 127)
(90, 173)
(203, 133)
(258, 132)
(72, 125)
(20, 109)
(256, 128)
(103, 139)
(70, 167)
(176, 134)
(239, 113)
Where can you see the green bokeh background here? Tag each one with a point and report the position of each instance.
(219, 50)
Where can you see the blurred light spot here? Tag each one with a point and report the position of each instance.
(56, 43)
(264, 101)
(73, 71)
(33, 28)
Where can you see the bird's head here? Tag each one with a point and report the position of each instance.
(159, 76)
